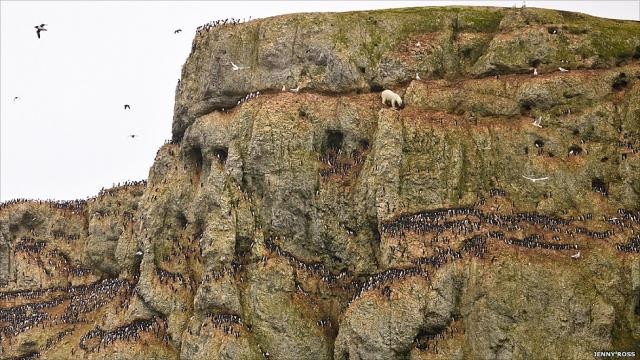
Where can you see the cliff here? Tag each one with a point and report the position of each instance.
(322, 224)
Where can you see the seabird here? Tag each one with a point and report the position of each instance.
(284, 88)
(139, 253)
(40, 28)
(535, 72)
(126, 106)
(562, 69)
(132, 136)
(576, 255)
(236, 67)
(535, 179)
(296, 89)
(537, 122)
(417, 76)
(418, 44)
(177, 31)
(15, 98)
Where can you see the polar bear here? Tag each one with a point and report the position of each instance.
(392, 97)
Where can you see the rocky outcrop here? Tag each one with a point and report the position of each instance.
(359, 52)
(494, 216)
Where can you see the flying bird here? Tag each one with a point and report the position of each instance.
(537, 122)
(296, 89)
(417, 76)
(576, 255)
(535, 72)
(562, 69)
(40, 28)
(132, 136)
(126, 106)
(284, 88)
(15, 98)
(139, 253)
(236, 67)
(177, 31)
(535, 179)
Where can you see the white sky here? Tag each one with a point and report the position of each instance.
(67, 134)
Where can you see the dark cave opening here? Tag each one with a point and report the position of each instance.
(526, 106)
(620, 82)
(195, 159)
(575, 150)
(182, 221)
(334, 140)
(598, 185)
(375, 88)
(221, 153)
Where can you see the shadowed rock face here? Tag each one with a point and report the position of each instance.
(322, 224)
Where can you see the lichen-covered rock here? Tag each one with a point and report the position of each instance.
(368, 50)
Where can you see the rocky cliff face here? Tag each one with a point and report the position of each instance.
(321, 224)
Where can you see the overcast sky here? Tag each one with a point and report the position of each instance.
(67, 135)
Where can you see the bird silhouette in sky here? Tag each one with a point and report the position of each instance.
(40, 28)
(126, 106)
(132, 136)
(15, 98)
(177, 31)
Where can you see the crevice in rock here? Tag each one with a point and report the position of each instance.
(526, 106)
(598, 185)
(182, 221)
(620, 82)
(334, 140)
(575, 150)
(426, 339)
(375, 88)
(195, 159)
(221, 153)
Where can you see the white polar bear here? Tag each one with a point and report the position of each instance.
(392, 97)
